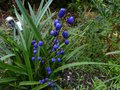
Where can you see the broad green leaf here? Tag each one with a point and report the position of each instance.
(6, 56)
(6, 80)
(29, 83)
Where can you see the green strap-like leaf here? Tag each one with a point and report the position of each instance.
(42, 12)
(6, 80)
(31, 12)
(40, 86)
(28, 19)
(7, 56)
(29, 83)
(59, 88)
(114, 52)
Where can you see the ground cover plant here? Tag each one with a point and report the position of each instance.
(62, 51)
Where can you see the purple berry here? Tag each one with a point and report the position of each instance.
(56, 41)
(40, 43)
(56, 21)
(55, 47)
(46, 79)
(70, 20)
(55, 88)
(57, 53)
(39, 58)
(58, 26)
(62, 52)
(61, 13)
(49, 83)
(35, 45)
(66, 42)
(33, 42)
(59, 59)
(48, 69)
(42, 81)
(52, 85)
(53, 59)
(33, 58)
(35, 51)
(42, 62)
(52, 33)
(49, 72)
(65, 34)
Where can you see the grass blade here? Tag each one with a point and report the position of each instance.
(29, 83)
(6, 80)
(40, 86)
(7, 56)
(31, 11)
(114, 52)
(42, 12)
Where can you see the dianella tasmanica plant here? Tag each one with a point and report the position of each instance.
(29, 61)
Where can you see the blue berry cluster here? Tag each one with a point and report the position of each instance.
(55, 33)
(55, 48)
(35, 50)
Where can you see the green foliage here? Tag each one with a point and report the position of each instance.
(94, 47)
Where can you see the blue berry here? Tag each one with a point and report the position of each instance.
(55, 88)
(61, 12)
(39, 58)
(54, 33)
(66, 42)
(49, 72)
(56, 41)
(62, 52)
(55, 47)
(33, 58)
(57, 53)
(34, 48)
(56, 21)
(52, 85)
(65, 34)
(40, 43)
(33, 42)
(58, 26)
(53, 59)
(42, 81)
(49, 83)
(35, 45)
(42, 62)
(59, 59)
(48, 69)
(35, 51)
(46, 79)
(70, 20)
